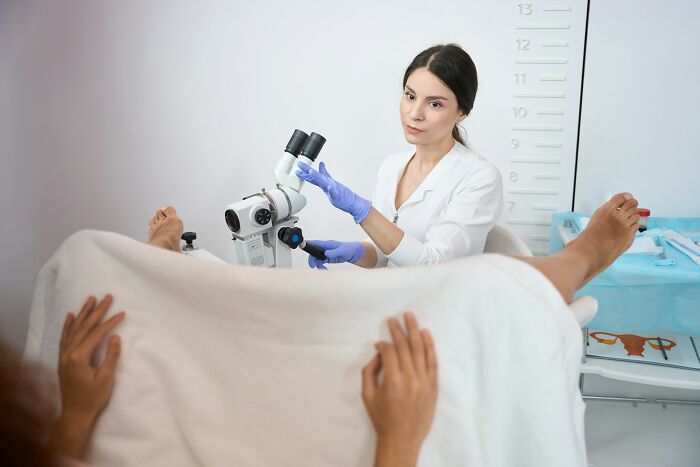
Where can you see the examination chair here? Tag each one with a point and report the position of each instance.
(503, 241)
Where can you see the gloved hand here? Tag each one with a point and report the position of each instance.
(336, 252)
(340, 196)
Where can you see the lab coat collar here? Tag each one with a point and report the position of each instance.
(434, 177)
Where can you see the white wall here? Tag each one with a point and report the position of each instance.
(112, 109)
(639, 116)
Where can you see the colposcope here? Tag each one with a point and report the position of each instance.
(263, 224)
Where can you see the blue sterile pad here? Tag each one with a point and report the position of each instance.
(642, 293)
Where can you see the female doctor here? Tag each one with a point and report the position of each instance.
(430, 205)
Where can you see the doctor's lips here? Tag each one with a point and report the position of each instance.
(412, 130)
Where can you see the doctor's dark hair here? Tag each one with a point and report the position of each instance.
(454, 67)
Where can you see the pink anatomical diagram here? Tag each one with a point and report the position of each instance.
(634, 344)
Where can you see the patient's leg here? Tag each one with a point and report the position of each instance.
(165, 229)
(609, 233)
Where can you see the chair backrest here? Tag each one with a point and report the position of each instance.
(502, 240)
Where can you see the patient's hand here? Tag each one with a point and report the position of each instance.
(85, 389)
(401, 406)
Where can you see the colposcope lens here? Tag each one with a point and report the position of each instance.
(296, 142)
(232, 220)
(313, 146)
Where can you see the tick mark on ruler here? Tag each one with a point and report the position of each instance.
(528, 222)
(542, 61)
(556, 8)
(543, 26)
(533, 191)
(549, 112)
(552, 77)
(536, 160)
(555, 44)
(537, 128)
(544, 207)
(555, 95)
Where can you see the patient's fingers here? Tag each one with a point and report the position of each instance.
(370, 373)
(92, 319)
(402, 348)
(93, 339)
(389, 359)
(416, 342)
(114, 350)
(64, 333)
(430, 355)
(95, 317)
(87, 308)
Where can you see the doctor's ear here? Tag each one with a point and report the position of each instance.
(461, 116)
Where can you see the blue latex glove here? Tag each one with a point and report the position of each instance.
(340, 196)
(336, 252)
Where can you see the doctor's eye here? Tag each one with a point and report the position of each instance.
(435, 104)
(409, 96)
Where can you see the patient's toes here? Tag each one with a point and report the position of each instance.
(165, 229)
(614, 203)
(169, 211)
(610, 231)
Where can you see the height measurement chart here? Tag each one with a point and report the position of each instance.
(548, 44)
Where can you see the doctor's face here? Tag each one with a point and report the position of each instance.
(428, 109)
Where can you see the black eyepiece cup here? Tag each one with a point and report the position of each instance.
(296, 143)
(313, 146)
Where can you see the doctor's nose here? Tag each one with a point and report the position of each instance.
(416, 112)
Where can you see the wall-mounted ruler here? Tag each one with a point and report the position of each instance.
(548, 41)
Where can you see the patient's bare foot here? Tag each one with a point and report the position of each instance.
(609, 233)
(165, 229)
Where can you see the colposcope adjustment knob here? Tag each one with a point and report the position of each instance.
(263, 216)
(189, 237)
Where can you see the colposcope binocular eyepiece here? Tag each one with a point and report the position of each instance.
(254, 213)
(301, 144)
(296, 143)
(313, 146)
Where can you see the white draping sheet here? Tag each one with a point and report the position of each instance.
(224, 365)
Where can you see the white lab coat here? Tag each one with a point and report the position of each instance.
(449, 214)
